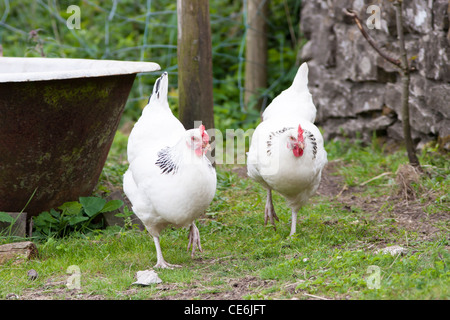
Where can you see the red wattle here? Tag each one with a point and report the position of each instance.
(297, 152)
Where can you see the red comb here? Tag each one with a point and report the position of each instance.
(300, 133)
(205, 136)
(202, 129)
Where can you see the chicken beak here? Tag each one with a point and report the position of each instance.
(205, 142)
(301, 145)
(206, 146)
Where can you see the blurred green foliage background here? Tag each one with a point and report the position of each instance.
(147, 31)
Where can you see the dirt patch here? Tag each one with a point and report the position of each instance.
(54, 289)
(232, 289)
(56, 294)
(331, 184)
(241, 171)
(400, 204)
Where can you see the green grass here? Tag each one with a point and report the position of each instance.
(329, 256)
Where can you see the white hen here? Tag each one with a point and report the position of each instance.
(170, 181)
(287, 153)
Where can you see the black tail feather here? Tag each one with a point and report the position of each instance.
(157, 85)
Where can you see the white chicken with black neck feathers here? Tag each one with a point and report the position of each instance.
(170, 181)
(286, 152)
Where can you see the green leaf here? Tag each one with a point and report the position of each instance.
(112, 205)
(45, 216)
(4, 217)
(39, 223)
(121, 215)
(71, 208)
(55, 213)
(77, 219)
(92, 205)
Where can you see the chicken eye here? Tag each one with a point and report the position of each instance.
(292, 138)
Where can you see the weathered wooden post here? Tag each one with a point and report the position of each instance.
(195, 79)
(256, 49)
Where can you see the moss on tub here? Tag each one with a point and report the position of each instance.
(56, 97)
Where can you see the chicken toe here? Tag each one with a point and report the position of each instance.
(269, 212)
(194, 239)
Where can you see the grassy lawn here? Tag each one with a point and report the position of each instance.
(333, 255)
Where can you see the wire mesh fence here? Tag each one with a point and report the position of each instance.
(147, 31)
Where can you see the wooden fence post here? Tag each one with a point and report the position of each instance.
(195, 80)
(256, 50)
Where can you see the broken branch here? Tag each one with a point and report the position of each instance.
(351, 13)
(375, 178)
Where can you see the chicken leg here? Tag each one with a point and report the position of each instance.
(269, 211)
(293, 223)
(194, 239)
(161, 263)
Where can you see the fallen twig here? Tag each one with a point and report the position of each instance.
(344, 188)
(317, 297)
(375, 178)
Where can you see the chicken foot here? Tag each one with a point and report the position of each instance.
(161, 263)
(269, 211)
(194, 239)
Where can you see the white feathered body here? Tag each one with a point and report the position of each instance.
(166, 182)
(275, 166)
(269, 160)
(177, 197)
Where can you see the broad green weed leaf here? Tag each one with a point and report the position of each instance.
(71, 208)
(77, 219)
(55, 213)
(92, 205)
(112, 205)
(46, 216)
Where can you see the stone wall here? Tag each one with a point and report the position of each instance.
(356, 91)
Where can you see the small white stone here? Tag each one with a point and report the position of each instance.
(147, 277)
(393, 250)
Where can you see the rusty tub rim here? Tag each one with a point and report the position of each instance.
(23, 69)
